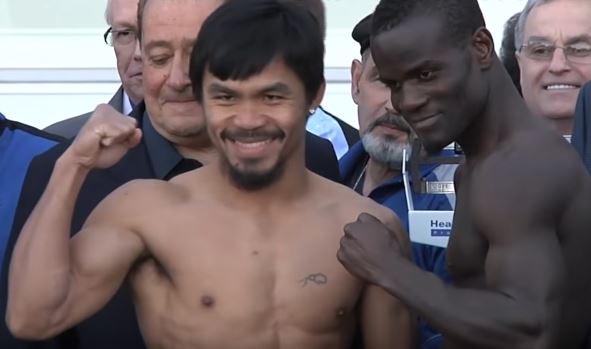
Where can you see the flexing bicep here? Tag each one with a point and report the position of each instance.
(385, 321)
(101, 255)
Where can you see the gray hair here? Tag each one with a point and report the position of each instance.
(520, 27)
(108, 12)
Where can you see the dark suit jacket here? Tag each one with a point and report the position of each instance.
(115, 326)
(69, 128)
(350, 132)
(581, 136)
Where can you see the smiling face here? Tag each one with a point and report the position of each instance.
(257, 124)
(435, 84)
(550, 88)
(169, 30)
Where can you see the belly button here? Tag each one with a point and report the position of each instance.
(341, 312)
(207, 301)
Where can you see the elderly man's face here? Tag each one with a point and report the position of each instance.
(556, 39)
(383, 137)
(169, 30)
(123, 19)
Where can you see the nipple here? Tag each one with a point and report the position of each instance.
(207, 301)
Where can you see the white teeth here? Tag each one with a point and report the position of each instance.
(560, 87)
(252, 145)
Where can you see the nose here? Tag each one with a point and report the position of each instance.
(178, 78)
(137, 53)
(559, 63)
(248, 117)
(407, 99)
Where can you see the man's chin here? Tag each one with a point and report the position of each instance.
(253, 180)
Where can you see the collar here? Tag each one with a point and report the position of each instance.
(127, 106)
(357, 155)
(2, 123)
(162, 154)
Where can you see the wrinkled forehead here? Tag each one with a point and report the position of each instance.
(123, 12)
(559, 21)
(175, 19)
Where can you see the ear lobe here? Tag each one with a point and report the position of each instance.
(356, 69)
(483, 46)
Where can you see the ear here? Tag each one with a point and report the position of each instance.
(319, 96)
(356, 70)
(483, 47)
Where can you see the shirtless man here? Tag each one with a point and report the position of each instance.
(518, 253)
(251, 262)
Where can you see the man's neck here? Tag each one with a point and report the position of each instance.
(205, 155)
(376, 174)
(291, 185)
(564, 126)
(504, 114)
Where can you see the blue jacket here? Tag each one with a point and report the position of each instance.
(391, 194)
(19, 143)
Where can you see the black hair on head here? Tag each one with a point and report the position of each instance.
(461, 17)
(242, 37)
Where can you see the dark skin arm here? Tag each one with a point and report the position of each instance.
(524, 270)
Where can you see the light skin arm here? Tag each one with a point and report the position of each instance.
(524, 272)
(55, 282)
(385, 321)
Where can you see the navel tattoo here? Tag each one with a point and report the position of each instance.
(318, 279)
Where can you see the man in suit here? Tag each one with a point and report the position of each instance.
(121, 16)
(174, 141)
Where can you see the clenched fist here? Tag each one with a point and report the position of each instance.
(105, 138)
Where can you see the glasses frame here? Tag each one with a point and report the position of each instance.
(110, 31)
(555, 47)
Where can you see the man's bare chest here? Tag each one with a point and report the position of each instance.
(467, 248)
(243, 267)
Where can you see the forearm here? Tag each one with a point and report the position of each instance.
(477, 317)
(39, 276)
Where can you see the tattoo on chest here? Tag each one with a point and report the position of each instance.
(318, 279)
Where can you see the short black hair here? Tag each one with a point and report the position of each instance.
(317, 8)
(242, 37)
(508, 49)
(462, 17)
(362, 32)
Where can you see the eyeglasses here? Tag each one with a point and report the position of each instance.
(124, 37)
(575, 53)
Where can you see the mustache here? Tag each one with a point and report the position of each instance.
(391, 119)
(254, 134)
(184, 96)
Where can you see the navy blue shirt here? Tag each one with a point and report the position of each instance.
(19, 144)
(391, 194)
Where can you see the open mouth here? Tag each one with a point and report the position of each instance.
(560, 87)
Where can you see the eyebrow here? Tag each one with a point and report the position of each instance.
(215, 87)
(578, 38)
(277, 87)
(158, 43)
(123, 25)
